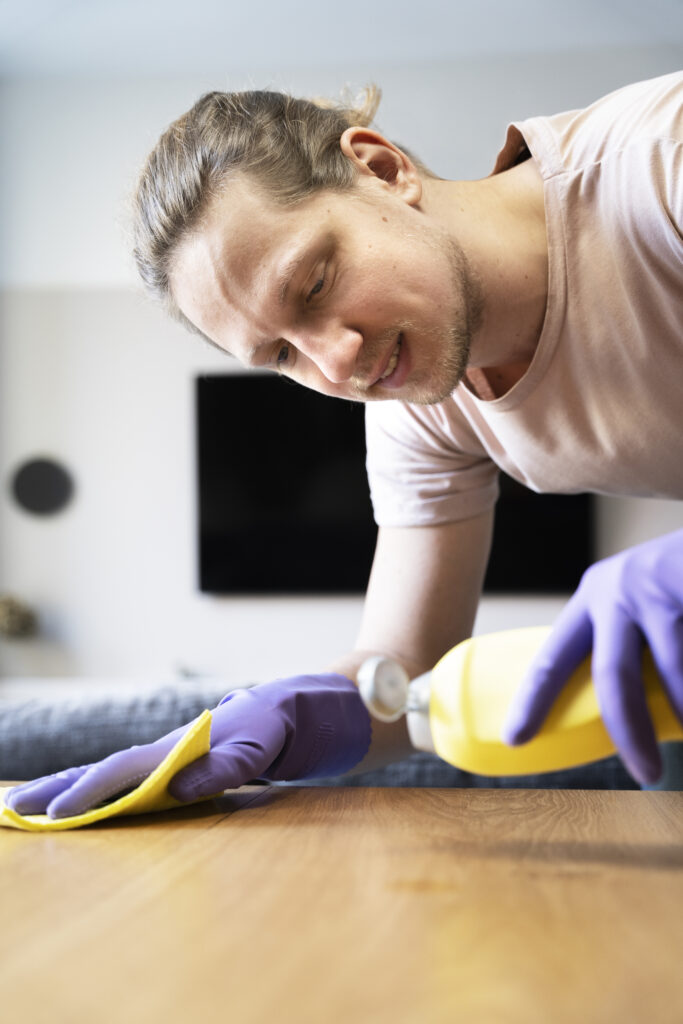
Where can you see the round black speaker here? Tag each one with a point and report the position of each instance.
(42, 486)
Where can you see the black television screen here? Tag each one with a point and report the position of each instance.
(284, 508)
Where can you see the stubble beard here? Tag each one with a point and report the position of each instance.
(452, 346)
(465, 321)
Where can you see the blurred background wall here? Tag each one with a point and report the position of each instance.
(91, 373)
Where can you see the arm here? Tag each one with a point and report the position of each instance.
(422, 600)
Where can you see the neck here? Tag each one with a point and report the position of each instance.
(500, 224)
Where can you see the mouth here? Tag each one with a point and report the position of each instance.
(391, 364)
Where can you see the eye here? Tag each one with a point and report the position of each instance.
(283, 356)
(317, 287)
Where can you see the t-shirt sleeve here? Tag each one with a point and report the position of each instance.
(425, 465)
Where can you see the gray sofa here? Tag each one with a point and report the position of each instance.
(42, 734)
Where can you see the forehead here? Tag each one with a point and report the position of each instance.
(226, 271)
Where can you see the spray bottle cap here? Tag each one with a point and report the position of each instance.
(388, 694)
(383, 686)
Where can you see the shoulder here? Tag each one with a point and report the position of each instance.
(649, 111)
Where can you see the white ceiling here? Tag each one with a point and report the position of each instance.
(178, 37)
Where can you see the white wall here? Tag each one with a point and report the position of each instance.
(71, 149)
(90, 372)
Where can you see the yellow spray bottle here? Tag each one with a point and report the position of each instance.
(458, 710)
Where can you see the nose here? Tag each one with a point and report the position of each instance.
(334, 349)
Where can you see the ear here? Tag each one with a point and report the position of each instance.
(373, 155)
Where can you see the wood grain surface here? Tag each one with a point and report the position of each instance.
(352, 905)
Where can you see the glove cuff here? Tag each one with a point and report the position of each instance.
(328, 728)
(343, 736)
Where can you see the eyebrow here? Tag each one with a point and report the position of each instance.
(289, 273)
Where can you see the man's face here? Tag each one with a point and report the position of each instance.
(357, 294)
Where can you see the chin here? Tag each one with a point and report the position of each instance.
(431, 392)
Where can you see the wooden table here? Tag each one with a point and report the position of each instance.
(352, 905)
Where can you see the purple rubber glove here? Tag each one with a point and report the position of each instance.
(622, 603)
(298, 728)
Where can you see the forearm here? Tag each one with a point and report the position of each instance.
(422, 599)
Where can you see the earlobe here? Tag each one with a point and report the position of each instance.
(374, 155)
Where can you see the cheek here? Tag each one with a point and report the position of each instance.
(381, 294)
(417, 278)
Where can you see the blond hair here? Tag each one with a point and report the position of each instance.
(288, 146)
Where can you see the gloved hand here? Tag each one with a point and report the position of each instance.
(626, 601)
(297, 728)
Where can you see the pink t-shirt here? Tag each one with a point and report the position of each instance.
(601, 406)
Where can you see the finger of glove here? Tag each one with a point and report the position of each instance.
(618, 681)
(663, 629)
(34, 797)
(568, 644)
(116, 773)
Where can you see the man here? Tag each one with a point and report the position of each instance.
(531, 320)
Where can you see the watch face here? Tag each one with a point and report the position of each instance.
(42, 486)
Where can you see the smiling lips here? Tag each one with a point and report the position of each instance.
(392, 363)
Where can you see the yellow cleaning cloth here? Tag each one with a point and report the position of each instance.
(150, 795)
